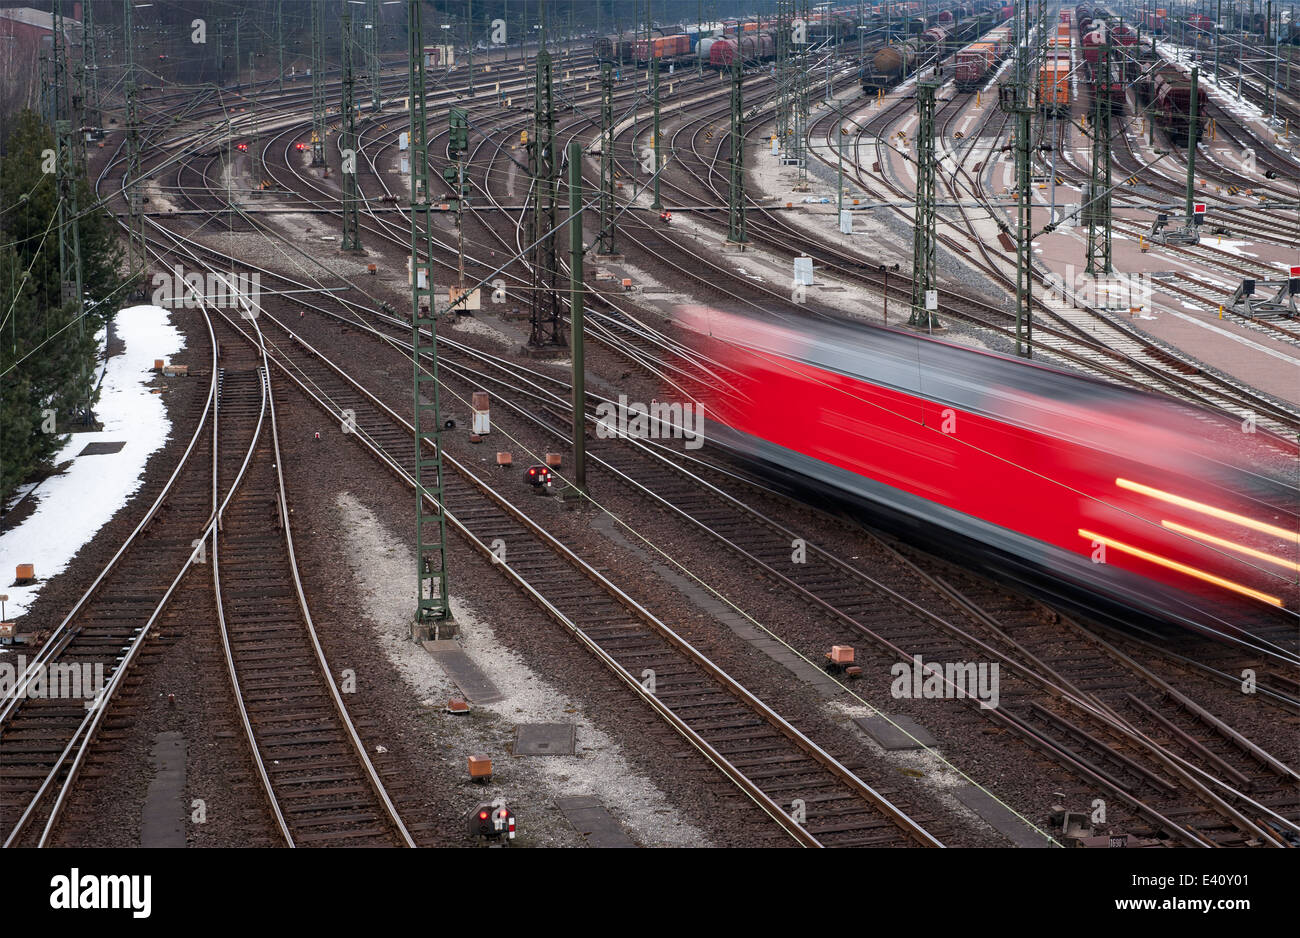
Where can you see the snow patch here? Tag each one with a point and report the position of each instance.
(598, 768)
(72, 506)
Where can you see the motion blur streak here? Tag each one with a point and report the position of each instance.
(1180, 567)
(1229, 545)
(1219, 513)
(998, 463)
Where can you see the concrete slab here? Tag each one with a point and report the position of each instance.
(163, 818)
(102, 449)
(897, 732)
(1001, 818)
(460, 667)
(590, 819)
(545, 739)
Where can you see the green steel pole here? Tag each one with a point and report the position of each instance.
(657, 205)
(279, 37)
(736, 231)
(318, 84)
(607, 224)
(348, 145)
(923, 242)
(1191, 145)
(576, 317)
(90, 63)
(433, 602)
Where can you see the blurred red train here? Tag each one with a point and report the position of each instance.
(1105, 498)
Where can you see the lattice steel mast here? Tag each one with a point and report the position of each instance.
(736, 231)
(348, 145)
(546, 326)
(90, 69)
(135, 254)
(605, 238)
(432, 599)
(923, 276)
(317, 84)
(1097, 212)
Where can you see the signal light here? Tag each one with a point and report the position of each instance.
(241, 146)
(490, 823)
(539, 476)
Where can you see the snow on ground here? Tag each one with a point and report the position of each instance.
(1233, 247)
(73, 505)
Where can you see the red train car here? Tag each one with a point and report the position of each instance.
(1171, 91)
(976, 62)
(750, 48)
(1153, 22)
(1119, 499)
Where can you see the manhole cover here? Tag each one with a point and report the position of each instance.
(101, 449)
(545, 739)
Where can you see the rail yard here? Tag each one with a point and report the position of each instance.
(453, 425)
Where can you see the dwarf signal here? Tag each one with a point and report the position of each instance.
(491, 822)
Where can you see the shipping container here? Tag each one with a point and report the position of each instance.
(1054, 85)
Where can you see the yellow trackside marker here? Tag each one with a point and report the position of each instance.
(1179, 567)
(1211, 510)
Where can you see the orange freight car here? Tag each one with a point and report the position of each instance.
(1054, 85)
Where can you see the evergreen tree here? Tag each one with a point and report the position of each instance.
(47, 358)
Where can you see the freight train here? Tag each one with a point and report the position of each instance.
(975, 63)
(1053, 83)
(687, 43)
(1102, 498)
(1106, 76)
(898, 60)
(1170, 90)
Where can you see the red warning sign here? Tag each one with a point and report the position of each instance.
(1295, 272)
(1199, 208)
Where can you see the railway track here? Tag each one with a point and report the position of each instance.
(757, 749)
(45, 739)
(756, 744)
(321, 786)
(1098, 343)
(667, 491)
